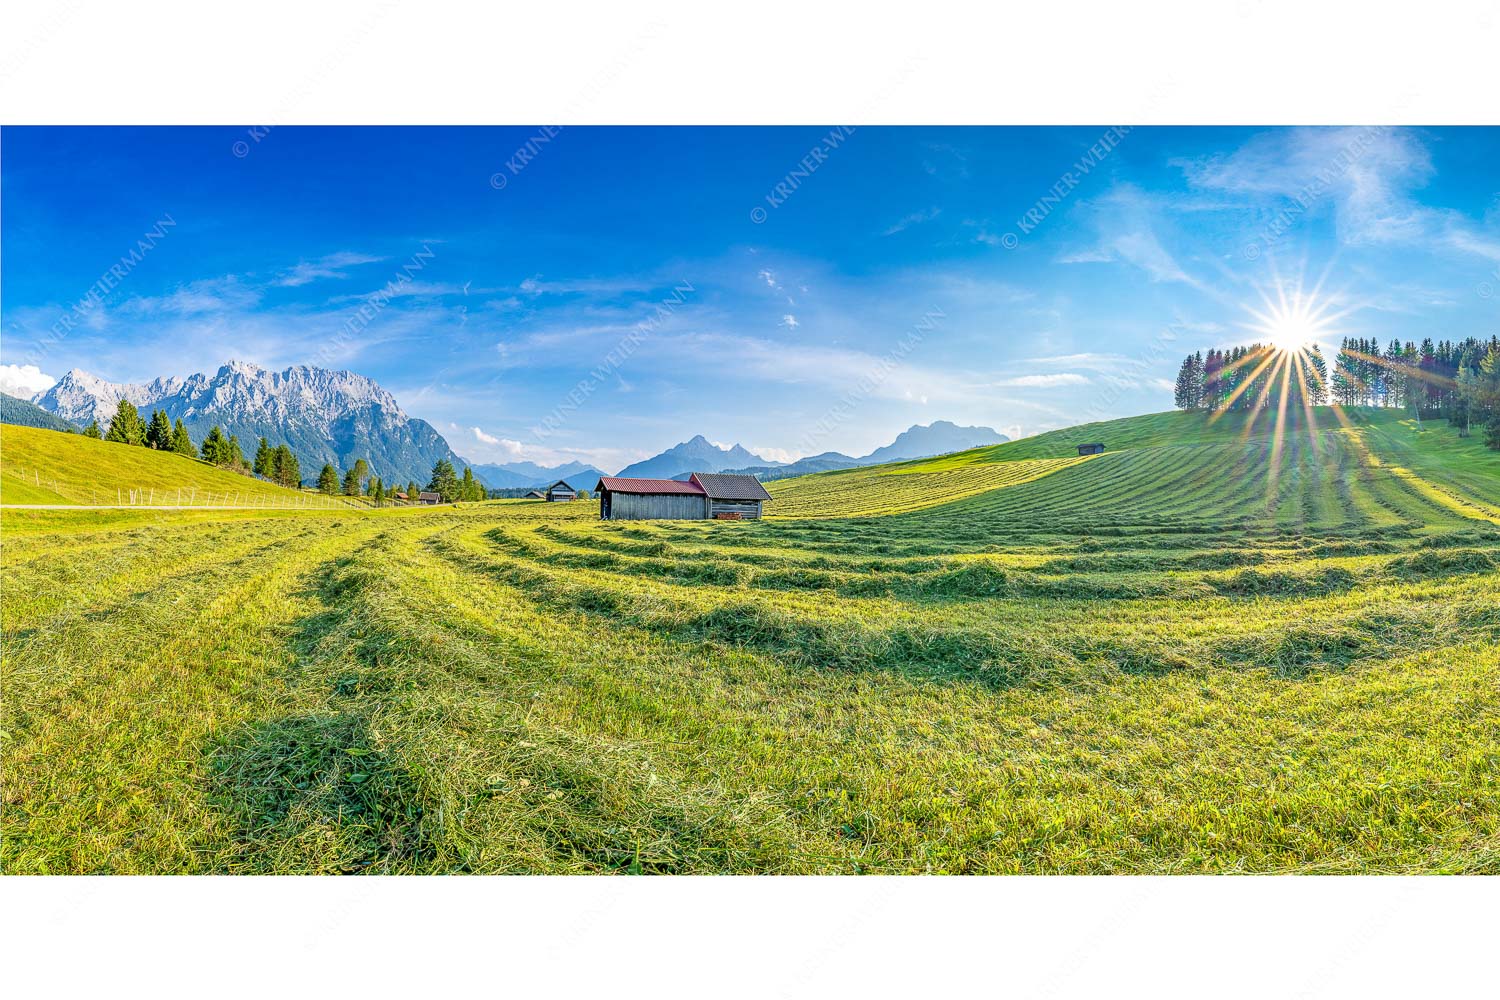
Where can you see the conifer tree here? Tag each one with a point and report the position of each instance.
(351, 483)
(127, 427)
(159, 431)
(215, 449)
(92, 430)
(377, 491)
(444, 481)
(182, 443)
(468, 489)
(328, 480)
(263, 455)
(411, 491)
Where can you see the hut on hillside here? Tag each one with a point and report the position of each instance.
(1091, 449)
(703, 495)
(535, 495)
(560, 491)
(428, 497)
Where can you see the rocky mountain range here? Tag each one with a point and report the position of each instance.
(918, 441)
(322, 415)
(697, 454)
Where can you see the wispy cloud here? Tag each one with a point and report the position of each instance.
(1125, 222)
(334, 265)
(914, 219)
(1042, 381)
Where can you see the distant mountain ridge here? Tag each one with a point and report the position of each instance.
(697, 454)
(322, 415)
(918, 441)
(523, 475)
(26, 414)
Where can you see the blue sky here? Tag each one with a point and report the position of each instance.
(792, 289)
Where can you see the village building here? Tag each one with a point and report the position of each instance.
(701, 496)
(428, 497)
(1091, 449)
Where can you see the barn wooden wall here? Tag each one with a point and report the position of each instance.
(669, 507)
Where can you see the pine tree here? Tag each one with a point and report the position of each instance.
(328, 480)
(285, 470)
(127, 427)
(232, 457)
(159, 431)
(351, 483)
(182, 443)
(1188, 394)
(92, 430)
(377, 491)
(444, 481)
(469, 488)
(411, 491)
(263, 458)
(215, 447)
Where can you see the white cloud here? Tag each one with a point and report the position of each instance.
(915, 218)
(195, 298)
(1043, 381)
(789, 321)
(24, 381)
(1125, 223)
(774, 454)
(334, 265)
(480, 435)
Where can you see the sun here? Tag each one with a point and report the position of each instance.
(1291, 333)
(1294, 321)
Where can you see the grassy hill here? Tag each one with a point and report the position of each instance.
(48, 467)
(1203, 651)
(1354, 471)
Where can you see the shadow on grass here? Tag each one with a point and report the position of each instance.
(310, 793)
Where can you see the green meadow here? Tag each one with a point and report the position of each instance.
(1220, 646)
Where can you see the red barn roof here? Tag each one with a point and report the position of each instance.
(617, 485)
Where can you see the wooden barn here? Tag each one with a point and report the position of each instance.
(560, 492)
(535, 495)
(426, 497)
(1091, 449)
(704, 495)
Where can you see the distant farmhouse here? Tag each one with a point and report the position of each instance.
(704, 495)
(561, 491)
(429, 498)
(535, 495)
(1091, 449)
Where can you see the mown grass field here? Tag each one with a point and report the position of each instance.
(1206, 650)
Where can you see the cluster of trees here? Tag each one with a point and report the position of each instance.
(1250, 377)
(159, 433)
(1453, 380)
(446, 483)
(278, 464)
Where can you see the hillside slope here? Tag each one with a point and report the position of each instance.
(1373, 467)
(42, 466)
